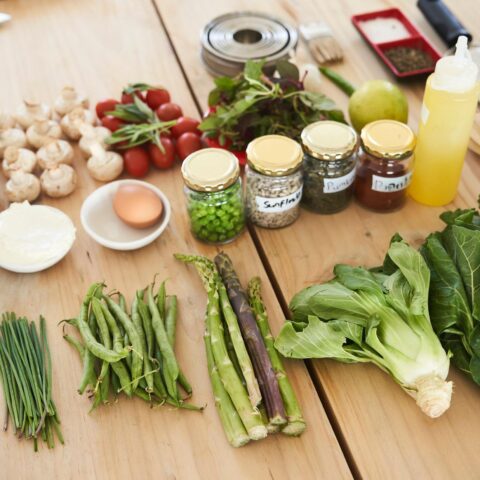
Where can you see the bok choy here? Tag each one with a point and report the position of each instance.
(367, 316)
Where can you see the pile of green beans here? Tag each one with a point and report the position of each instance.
(129, 352)
(26, 377)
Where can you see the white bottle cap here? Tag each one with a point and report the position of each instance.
(456, 73)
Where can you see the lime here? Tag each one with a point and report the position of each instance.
(377, 100)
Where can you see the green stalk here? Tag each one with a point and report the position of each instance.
(239, 347)
(296, 424)
(232, 424)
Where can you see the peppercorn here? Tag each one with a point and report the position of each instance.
(408, 59)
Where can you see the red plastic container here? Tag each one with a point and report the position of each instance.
(415, 39)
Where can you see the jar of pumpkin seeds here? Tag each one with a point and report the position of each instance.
(274, 181)
(214, 193)
(329, 166)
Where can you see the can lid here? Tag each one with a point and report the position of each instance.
(274, 155)
(210, 170)
(388, 139)
(329, 140)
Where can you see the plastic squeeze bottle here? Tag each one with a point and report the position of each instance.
(447, 114)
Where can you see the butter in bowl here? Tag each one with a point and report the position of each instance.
(125, 214)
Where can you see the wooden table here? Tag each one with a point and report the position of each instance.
(360, 423)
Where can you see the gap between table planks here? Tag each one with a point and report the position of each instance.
(377, 424)
(100, 47)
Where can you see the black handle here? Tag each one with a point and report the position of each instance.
(444, 22)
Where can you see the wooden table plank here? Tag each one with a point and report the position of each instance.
(100, 47)
(386, 434)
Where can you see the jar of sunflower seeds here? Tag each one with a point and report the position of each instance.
(214, 193)
(274, 181)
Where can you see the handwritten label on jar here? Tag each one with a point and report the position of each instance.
(333, 185)
(390, 184)
(278, 204)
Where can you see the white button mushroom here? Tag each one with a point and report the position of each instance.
(15, 159)
(72, 122)
(22, 186)
(12, 137)
(58, 181)
(30, 111)
(42, 132)
(6, 121)
(104, 166)
(54, 154)
(93, 135)
(69, 99)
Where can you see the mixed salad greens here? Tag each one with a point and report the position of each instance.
(253, 104)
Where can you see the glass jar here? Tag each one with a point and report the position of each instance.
(385, 164)
(328, 166)
(214, 195)
(274, 181)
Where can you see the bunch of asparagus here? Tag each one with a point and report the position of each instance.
(26, 375)
(252, 392)
(131, 352)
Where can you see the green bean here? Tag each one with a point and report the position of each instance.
(88, 376)
(90, 341)
(169, 362)
(171, 318)
(117, 337)
(79, 347)
(157, 376)
(170, 327)
(137, 322)
(122, 303)
(105, 386)
(131, 331)
(161, 300)
(147, 326)
(338, 80)
(116, 383)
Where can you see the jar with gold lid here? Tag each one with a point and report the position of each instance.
(214, 195)
(385, 164)
(274, 181)
(328, 166)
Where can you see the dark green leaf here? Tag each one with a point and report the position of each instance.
(463, 246)
(475, 369)
(287, 70)
(460, 357)
(448, 302)
(214, 97)
(474, 340)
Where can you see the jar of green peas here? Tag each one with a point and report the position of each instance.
(214, 195)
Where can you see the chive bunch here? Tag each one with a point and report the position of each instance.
(130, 352)
(26, 375)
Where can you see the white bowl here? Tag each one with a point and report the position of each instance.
(33, 232)
(102, 223)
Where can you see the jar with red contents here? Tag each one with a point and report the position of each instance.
(385, 165)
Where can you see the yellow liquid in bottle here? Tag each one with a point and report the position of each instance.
(442, 141)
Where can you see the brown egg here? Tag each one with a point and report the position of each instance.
(137, 206)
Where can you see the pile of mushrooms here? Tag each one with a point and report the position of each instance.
(36, 140)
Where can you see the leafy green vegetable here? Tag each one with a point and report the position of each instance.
(378, 317)
(252, 104)
(453, 257)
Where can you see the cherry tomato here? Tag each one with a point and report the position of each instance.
(156, 97)
(128, 97)
(185, 124)
(105, 106)
(136, 161)
(112, 123)
(188, 143)
(161, 159)
(169, 111)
